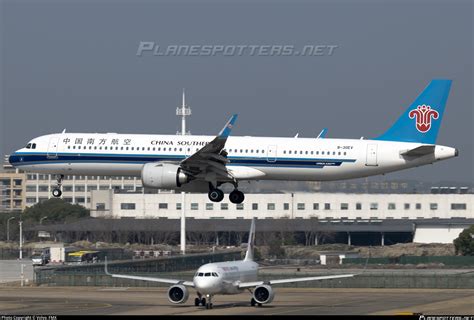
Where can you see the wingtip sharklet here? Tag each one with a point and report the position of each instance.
(225, 132)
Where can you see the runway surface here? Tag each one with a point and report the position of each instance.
(294, 301)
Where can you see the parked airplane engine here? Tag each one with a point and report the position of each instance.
(263, 294)
(162, 175)
(178, 294)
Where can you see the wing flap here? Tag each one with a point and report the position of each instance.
(209, 157)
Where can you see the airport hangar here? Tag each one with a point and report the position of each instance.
(354, 219)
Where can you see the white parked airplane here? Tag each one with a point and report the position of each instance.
(230, 277)
(203, 163)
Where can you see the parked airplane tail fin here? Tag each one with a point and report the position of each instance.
(251, 242)
(421, 121)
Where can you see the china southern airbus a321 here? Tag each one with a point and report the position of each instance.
(229, 277)
(204, 163)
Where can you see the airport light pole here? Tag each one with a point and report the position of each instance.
(183, 111)
(21, 239)
(8, 228)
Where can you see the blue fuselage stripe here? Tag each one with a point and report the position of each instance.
(19, 159)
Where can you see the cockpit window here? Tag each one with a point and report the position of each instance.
(207, 274)
(33, 146)
(214, 274)
(200, 274)
(28, 146)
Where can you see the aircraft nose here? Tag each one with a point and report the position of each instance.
(205, 285)
(11, 158)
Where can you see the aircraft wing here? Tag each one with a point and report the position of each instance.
(243, 285)
(211, 158)
(152, 279)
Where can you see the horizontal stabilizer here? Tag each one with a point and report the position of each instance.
(419, 151)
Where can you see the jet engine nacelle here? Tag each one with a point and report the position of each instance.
(162, 175)
(263, 294)
(178, 294)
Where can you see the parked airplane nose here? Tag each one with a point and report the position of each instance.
(206, 285)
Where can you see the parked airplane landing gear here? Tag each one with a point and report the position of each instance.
(57, 191)
(209, 303)
(236, 196)
(254, 303)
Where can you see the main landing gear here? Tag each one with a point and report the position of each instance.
(57, 190)
(199, 301)
(254, 303)
(217, 195)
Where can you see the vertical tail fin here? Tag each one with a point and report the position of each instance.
(251, 242)
(421, 121)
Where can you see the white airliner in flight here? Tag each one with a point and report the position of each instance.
(203, 163)
(230, 277)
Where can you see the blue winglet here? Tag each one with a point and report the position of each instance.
(225, 132)
(323, 133)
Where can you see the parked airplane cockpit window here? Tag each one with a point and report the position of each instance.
(33, 146)
(201, 274)
(214, 274)
(28, 146)
(207, 274)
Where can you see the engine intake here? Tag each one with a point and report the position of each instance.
(178, 294)
(263, 294)
(163, 175)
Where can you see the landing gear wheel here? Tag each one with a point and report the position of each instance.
(57, 193)
(253, 302)
(216, 195)
(197, 301)
(208, 305)
(203, 302)
(236, 196)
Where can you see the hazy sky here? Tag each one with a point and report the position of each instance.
(73, 64)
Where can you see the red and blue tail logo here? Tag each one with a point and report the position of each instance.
(423, 115)
(422, 119)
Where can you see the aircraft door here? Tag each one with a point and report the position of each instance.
(271, 153)
(53, 148)
(371, 155)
